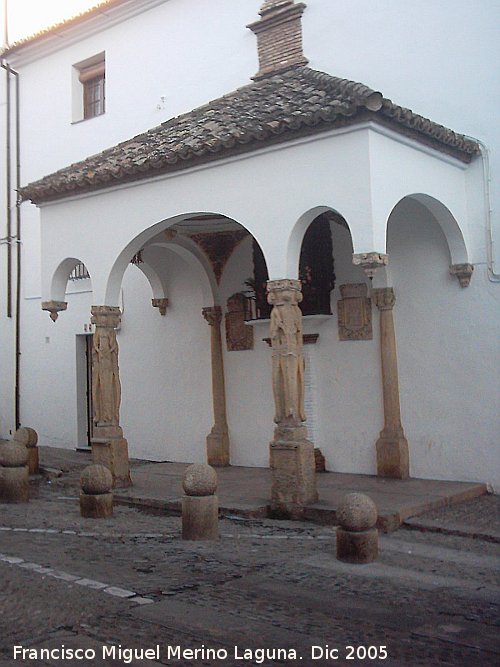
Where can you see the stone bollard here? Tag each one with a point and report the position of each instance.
(200, 507)
(96, 497)
(14, 475)
(29, 438)
(357, 537)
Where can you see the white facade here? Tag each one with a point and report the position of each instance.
(425, 209)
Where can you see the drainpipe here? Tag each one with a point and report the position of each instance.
(17, 238)
(492, 275)
(8, 185)
(490, 254)
(18, 255)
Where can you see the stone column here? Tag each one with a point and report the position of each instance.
(392, 446)
(291, 454)
(218, 438)
(109, 447)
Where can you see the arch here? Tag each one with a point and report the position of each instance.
(61, 276)
(158, 287)
(207, 283)
(182, 245)
(445, 219)
(297, 234)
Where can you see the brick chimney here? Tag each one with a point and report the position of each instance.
(279, 37)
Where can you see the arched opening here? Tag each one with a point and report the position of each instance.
(324, 258)
(194, 264)
(428, 207)
(70, 270)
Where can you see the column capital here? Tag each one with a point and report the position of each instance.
(463, 272)
(213, 315)
(106, 316)
(161, 304)
(384, 298)
(370, 261)
(286, 290)
(54, 308)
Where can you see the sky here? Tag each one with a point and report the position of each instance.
(25, 17)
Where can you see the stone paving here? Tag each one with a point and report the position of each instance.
(430, 599)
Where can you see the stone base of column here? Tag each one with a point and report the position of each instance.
(218, 448)
(293, 472)
(113, 453)
(393, 458)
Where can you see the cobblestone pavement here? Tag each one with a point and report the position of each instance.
(131, 582)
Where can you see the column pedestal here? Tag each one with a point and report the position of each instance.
(293, 472)
(218, 448)
(113, 453)
(393, 457)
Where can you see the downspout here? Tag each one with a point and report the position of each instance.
(490, 255)
(18, 254)
(17, 238)
(8, 185)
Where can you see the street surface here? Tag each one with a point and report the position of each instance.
(267, 592)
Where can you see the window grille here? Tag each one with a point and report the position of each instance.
(79, 272)
(93, 81)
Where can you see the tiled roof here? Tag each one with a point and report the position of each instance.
(278, 108)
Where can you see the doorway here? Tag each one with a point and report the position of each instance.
(85, 426)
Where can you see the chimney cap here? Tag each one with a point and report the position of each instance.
(269, 5)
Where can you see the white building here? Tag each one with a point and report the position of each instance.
(190, 212)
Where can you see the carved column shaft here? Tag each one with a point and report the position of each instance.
(291, 454)
(108, 445)
(218, 439)
(385, 300)
(392, 447)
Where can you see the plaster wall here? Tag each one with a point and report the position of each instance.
(306, 175)
(448, 355)
(166, 410)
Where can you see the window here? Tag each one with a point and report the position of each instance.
(93, 80)
(89, 88)
(316, 267)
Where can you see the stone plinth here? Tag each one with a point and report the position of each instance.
(14, 475)
(357, 537)
(393, 457)
(113, 454)
(29, 438)
(200, 507)
(293, 472)
(96, 499)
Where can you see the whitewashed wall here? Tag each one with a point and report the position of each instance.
(411, 53)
